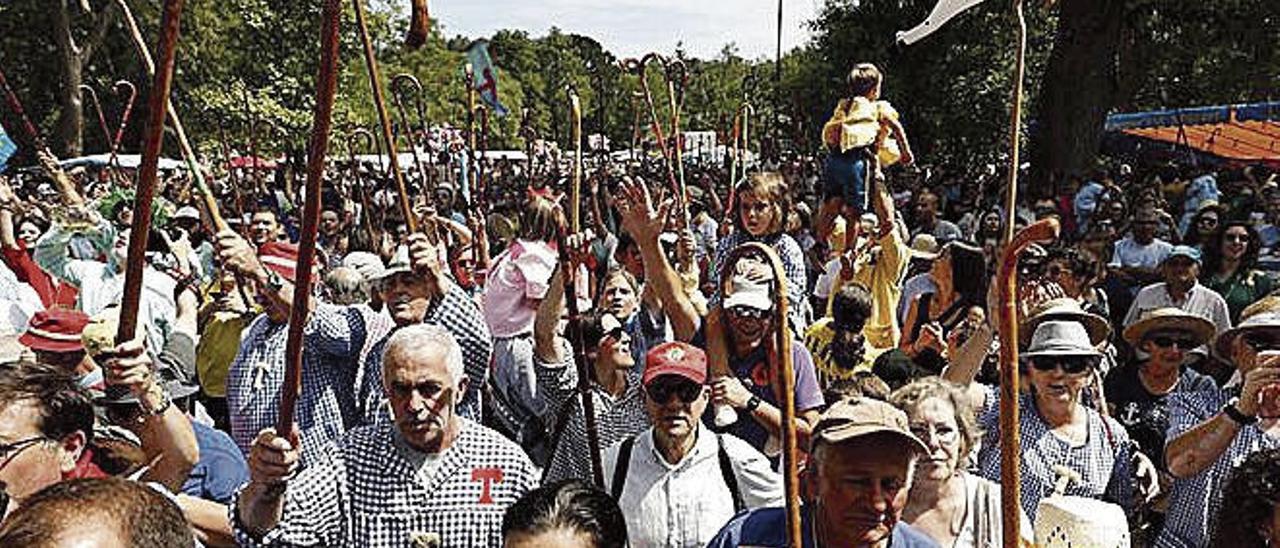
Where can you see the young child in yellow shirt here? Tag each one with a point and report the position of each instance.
(862, 136)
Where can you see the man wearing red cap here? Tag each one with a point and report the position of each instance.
(335, 338)
(680, 482)
(54, 336)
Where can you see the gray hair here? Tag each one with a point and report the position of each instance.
(418, 337)
(346, 286)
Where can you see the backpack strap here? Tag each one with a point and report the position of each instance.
(730, 479)
(620, 468)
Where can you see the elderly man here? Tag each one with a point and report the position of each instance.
(1211, 431)
(433, 474)
(98, 512)
(415, 289)
(679, 480)
(862, 460)
(1181, 289)
(335, 338)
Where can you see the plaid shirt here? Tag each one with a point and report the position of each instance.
(460, 315)
(365, 492)
(792, 262)
(616, 418)
(1194, 501)
(333, 342)
(1103, 462)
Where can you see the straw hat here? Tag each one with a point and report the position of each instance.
(1064, 308)
(1263, 322)
(1169, 319)
(1063, 521)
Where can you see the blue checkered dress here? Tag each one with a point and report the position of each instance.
(1194, 502)
(1103, 462)
(335, 338)
(460, 315)
(364, 492)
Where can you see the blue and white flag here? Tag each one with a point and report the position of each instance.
(7, 148)
(486, 75)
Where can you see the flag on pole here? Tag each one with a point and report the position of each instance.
(942, 12)
(486, 81)
(7, 148)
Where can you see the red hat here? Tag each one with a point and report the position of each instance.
(282, 258)
(55, 330)
(676, 358)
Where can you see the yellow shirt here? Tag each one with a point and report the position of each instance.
(861, 122)
(218, 347)
(883, 278)
(818, 339)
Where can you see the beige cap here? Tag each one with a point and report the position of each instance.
(853, 418)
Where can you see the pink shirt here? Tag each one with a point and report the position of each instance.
(517, 281)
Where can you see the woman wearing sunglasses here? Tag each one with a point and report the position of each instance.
(1230, 267)
(1056, 426)
(1139, 393)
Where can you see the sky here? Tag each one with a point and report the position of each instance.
(630, 28)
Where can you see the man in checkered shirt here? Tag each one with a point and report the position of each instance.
(615, 389)
(432, 476)
(415, 290)
(1211, 432)
(335, 338)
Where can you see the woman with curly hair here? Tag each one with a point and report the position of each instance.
(1252, 519)
(1230, 262)
(954, 507)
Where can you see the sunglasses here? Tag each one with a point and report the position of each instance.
(1259, 342)
(1236, 237)
(749, 313)
(1071, 365)
(660, 391)
(1166, 342)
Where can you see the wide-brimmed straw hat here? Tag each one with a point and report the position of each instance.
(1067, 309)
(1169, 319)
(1267, 321)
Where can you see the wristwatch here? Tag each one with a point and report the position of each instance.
(1233, 412)
(752, 403)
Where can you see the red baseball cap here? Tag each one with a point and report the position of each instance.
(55, 330)
(676, 358)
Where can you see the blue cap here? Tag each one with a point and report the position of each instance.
(1184, 251)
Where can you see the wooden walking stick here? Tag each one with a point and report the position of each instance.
(124, 117)
(157, 106)
(779, 358)
(97, 107)
(384, 120)
(586, 373)
(400, 85)
(317, 146)
(640, 69)
(66, 187)
(575, 196)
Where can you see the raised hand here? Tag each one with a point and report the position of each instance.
(639, 217)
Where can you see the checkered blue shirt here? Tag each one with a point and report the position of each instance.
(364, 492)
(616, 418)
(1194, 502)
(1103, 462)
(460, 315)
(334, 339)
(792, 263)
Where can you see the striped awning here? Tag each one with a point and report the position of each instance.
(1236, 132)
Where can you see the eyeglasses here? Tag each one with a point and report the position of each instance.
(1166, 342)
(1071, 365)
(660, 391)
(747, 312)
(10, 451)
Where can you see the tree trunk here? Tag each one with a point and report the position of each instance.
(70, 130)
(1078, 90)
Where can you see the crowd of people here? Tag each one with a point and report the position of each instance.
(505, 377)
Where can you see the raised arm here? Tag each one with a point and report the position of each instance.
(644, 223)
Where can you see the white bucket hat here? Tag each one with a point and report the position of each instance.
(1061, 338)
